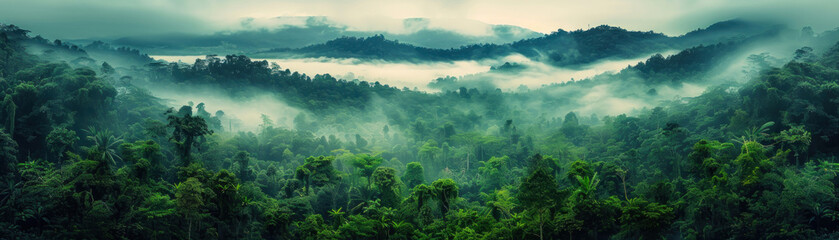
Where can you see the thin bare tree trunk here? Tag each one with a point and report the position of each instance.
(189, 231)
(467, 162)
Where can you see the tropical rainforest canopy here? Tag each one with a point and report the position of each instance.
(89, 151)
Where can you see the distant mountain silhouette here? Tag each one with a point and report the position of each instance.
(558, 48)
(315, 30)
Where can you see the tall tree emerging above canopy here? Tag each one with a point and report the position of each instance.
(538, 190)
(365, 165)
(318, 171)
(446, 191)
(187, 130)
(389, 186)
(414, 174)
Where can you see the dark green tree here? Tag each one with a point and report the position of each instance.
(59, 141)
(494, 173)
(446, 191)
(389, 186)
(414, 175)
(318, 172)
(187, 131)
(243, 159)
(190, 197)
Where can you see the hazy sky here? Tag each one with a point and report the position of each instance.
(106, 18)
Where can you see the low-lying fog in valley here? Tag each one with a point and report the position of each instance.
(245, 113)
(418, 75)
(240, 114)
(360, 119)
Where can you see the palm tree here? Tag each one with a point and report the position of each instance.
(587, 186)
(755, 134)
(9, 195)
(104, 143)
(501, 202)
(337, 216)
(796, 139)
(398, 225)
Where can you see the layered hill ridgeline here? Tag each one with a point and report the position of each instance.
(72, 53)
(86, 155)
(559, 48)
(315, 30)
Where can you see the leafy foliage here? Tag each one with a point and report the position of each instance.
(736, 162)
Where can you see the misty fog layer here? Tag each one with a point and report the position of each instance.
(419, 75)
(606, 99)
(535, 74)
(490, 131)
(128, 18)
(241, 113)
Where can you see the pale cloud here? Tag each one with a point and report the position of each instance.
(99, 18)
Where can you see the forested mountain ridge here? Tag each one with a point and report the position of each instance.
(418, 31)
(71, 53)
(86, 154)
(559, 48)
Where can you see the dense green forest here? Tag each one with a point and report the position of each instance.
(88, 152)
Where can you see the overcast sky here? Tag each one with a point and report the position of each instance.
(114, 18)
